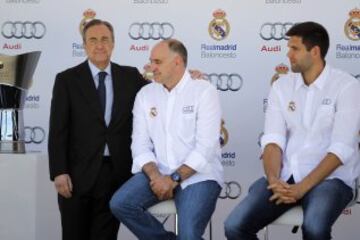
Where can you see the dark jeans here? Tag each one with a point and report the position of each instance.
(322, 206)
(195, 205)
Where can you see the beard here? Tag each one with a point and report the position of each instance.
(296, 68)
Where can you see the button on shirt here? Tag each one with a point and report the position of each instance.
(307, 122)
(109, 94)
(178, 127)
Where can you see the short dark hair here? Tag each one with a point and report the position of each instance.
(312, 34)
(177, 47)
(96, 22)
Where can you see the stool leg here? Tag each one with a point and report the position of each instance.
(266, 233)
(210, 230)
(176, 225)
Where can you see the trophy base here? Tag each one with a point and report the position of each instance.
(12, 147)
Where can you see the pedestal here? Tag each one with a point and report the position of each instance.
(28, 203)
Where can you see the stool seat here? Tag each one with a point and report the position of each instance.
(165, 207)
(168, 207)
(293, 216)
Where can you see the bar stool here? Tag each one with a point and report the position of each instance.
(168, 207)
(295, 215)
(165, 207)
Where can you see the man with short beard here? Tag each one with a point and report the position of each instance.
(310, 153)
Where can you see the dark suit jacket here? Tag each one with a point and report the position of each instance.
(78, 132)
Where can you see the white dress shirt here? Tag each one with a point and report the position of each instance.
(109, 94)
(178, 127)
(307, 122)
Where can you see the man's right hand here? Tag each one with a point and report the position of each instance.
(163, 187)
(280, 190)
(63, 185)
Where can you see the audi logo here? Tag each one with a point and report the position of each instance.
(153, 31)
(34, 134)
(275, 31)
(25, 29)
(231, 190)
(225, 82)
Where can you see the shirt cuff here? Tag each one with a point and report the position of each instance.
(141, 160)
(342, 151)
(273, 138)
(196, 161)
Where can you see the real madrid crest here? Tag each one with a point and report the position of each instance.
(291, 106)
(88, 16)
(219, 27)
(280, 69)
(352, 26)
(153, 112)
(224, 134)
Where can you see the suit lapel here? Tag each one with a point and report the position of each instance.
(87, 87)
(120, 95)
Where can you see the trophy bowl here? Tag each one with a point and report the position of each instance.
(15, 79)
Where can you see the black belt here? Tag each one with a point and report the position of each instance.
(106, 159)
(291, 180)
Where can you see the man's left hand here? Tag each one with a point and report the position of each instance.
(292, 194)
(296, 191)
(163, 187)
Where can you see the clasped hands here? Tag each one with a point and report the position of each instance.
(284, 192)
(163, 187)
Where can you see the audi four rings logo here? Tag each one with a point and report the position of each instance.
(224, 81)
(25, 29)
(34, 134)
(155, 30)
(231, 190)
(275, 31)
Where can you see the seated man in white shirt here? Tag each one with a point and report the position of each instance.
(310, 153)
(175, 147)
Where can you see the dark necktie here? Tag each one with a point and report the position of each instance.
(102, 91)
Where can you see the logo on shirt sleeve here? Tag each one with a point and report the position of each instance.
(292, 106)
(153, 112)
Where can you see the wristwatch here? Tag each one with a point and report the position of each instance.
(176, 177)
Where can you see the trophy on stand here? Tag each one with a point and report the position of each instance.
(15, 79)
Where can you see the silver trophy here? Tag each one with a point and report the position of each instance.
(15, 79)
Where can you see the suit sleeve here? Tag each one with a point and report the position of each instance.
(141, 81)
(59, 128)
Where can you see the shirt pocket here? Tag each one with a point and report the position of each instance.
(324, 118)
(187, 127)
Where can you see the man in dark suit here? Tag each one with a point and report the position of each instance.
(90, 136)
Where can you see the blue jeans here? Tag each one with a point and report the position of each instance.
(322, 205)
(195, 205)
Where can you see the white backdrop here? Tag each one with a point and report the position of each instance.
(246, 57)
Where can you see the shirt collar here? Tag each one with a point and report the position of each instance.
(181, 84)
(95, 70)
(319, 81)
